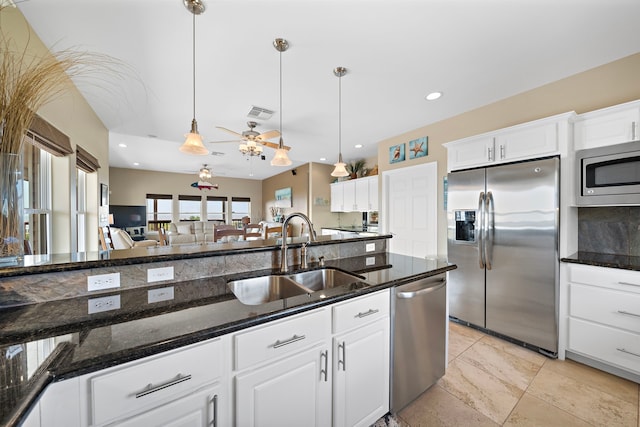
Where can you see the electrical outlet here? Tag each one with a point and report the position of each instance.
(98, 305)
(160, 294)
(159, 274)
(103, 281)
(370, 260)
(370, 247)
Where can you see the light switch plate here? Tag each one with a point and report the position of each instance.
(103, 281)
(160, 294)
(159, 274)
(370, 247)
(98, 305)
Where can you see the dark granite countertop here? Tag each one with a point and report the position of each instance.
(36, 264)
(624, 262)
(200, 309)
(352, 228)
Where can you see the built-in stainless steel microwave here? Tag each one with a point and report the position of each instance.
(609, 175)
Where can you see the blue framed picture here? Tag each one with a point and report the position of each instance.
(418, 147)
(396, 153)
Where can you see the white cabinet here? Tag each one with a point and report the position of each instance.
(608, 126)
(282, 373)
(604, 317)
(361, 360)
(525, 141)
(356, 195)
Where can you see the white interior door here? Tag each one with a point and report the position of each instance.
(410, 209)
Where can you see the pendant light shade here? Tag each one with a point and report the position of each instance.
(339, 170)
(193, 142)
(281, 158)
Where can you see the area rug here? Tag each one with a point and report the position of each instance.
(388, 420)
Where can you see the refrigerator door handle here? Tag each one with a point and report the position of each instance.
(489, 224)
(480, 230)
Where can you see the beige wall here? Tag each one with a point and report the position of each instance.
(71, 114)
(130, 187)
(610, 84)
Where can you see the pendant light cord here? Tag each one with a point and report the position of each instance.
(340, 118)
(280, 97)
(194, 66)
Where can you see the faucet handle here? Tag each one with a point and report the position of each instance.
(321, 260)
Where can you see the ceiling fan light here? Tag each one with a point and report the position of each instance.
(339, 170)
(280, 158)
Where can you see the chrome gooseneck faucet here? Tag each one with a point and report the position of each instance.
(284, 267)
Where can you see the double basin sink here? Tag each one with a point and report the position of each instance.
(262, 289)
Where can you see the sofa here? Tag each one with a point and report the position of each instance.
(190, 232)
(120, 239)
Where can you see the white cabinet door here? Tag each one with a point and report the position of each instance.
(361, 194)
(608, 126)
(373, 193)
(470, 152)
(526, 142)
(292, 392)
(200, 409)
(349, 204)
(337, 197)
(361, 375)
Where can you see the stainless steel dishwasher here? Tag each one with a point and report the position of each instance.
(418, 322)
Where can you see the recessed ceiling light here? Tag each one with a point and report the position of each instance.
(358, 146)
(323, 159)
(122, 145)
(433, 96)
(136, 164)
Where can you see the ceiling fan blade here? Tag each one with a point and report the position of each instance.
(230, 131)
(268, 135)
(274, 145)
(225, 142)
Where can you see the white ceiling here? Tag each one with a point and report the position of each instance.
(396, 51)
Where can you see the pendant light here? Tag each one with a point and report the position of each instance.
(340, 170)
(281, 158)
(193, 143)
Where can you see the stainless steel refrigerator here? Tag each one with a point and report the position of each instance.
(503, 235)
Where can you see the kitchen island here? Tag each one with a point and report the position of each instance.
(199, 309)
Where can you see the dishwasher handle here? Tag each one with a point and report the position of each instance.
(421, 291)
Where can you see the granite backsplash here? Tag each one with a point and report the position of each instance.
(609, 230)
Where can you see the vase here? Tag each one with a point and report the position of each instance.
(11, 210)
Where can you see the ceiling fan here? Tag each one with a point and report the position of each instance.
(250, 138)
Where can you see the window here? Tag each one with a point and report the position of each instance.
(159, 211)
(189, 207)
(240, 207)
(81, 209)
(37, 197)
(216, 208)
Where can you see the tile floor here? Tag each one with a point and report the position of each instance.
(491, 382)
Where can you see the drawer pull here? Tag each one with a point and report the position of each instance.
(366, 313)
(628, 352)
(324, 370)
(150, 389)
(289, 341)
(628, 284)
(628, 313)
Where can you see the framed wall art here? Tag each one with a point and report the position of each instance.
(396, 153)
(418, 147)
(283, 198)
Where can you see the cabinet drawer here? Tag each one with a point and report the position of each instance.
(146, 383)
(360, 311)
(612, 278)
(280, 338)
(613, 308)
(609, 345)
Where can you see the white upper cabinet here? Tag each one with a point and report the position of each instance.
(608, 126)
(527, 141)
(356, 195)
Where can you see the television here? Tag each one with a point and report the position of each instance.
(128, 216)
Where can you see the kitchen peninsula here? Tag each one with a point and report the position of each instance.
(79, 336)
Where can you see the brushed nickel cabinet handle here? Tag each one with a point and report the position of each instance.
(151, 389)
(367, 313)
(342, 360)
(291, 340)
(324, 370)
(628, 313)
(628, 284)
(501, 152)
(214, 404)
